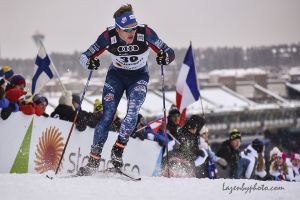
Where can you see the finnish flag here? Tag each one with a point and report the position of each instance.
(43, 72)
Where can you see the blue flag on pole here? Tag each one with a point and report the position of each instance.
(43, 72)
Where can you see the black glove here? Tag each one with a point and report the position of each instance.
(5, 113)
(162, 58)
(94, 64)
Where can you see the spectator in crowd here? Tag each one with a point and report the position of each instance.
(98, 107)
(173, 121)
(256, 165)
(154, 131)
(15, 94)
(279, 168)
(208, 169)
(184, 156)
(145, 131)
(98, 111)
(7, 72)
(4, 103)
(42, 102)
(230, 151)
(272, 157)
(28, 107)
(64, 110)
(273, 153)
(91, 119)
(83, 116)
(295, 159)
(172, 128)
(14, 90)
(75, 101)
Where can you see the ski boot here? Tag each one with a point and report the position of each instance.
(116, 154)
(93, 163)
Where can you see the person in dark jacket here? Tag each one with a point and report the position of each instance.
(184, 156)
(230, 151)
(208, 168)
(64, 110)
(173, 121)
(87, 119)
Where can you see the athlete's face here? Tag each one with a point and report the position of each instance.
(126, 35)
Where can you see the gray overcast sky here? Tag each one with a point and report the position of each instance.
(71, 25)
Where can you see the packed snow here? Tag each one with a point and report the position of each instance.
(38, 187)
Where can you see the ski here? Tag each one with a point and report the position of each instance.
(121, 172)
(107, 171)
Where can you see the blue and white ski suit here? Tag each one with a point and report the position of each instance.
(128, 72)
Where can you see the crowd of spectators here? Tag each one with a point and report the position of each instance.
(14, 98)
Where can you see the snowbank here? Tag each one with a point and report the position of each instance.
(38, 187)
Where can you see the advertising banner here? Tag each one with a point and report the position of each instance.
(31, 144)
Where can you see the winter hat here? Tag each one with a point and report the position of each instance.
(195, 121)
(173, 110)
(235, 134)
(7, 72)
(66, 99)
(98, 106)
(38, 99)
(295, 156)
(258, 145)
(204, 129)
(76, 98)
(274, 151)
(17, 80)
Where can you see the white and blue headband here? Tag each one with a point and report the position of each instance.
(125, 19)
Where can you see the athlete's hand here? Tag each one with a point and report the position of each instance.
(162, 58)
(93, 64)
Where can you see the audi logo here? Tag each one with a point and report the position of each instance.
(128, 48)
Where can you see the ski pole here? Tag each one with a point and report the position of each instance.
(165, 117)
(72, 127)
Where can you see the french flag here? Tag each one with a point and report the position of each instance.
(187, 91)
(43, 72)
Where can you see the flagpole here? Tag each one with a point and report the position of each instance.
(54, 68)
(197, 83)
